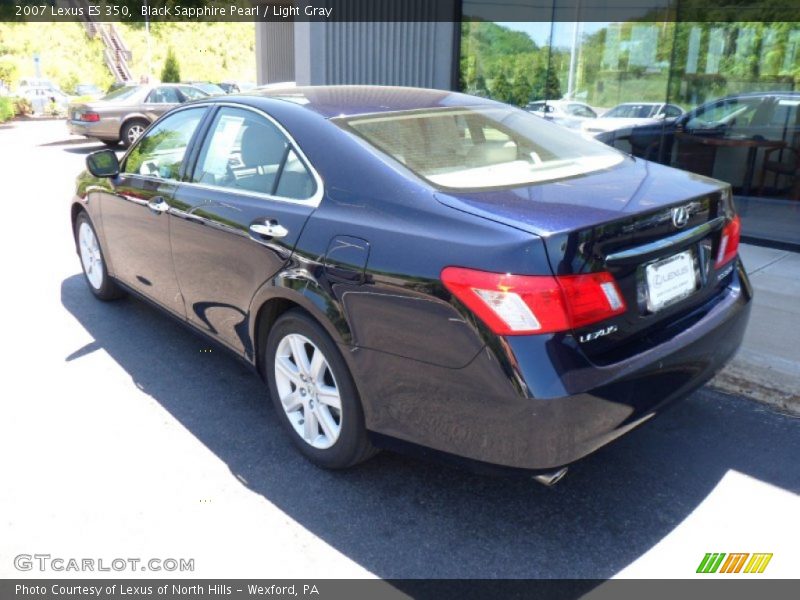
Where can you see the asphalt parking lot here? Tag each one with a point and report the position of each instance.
(123, 434)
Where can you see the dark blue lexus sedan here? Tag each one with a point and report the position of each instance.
(423, 270)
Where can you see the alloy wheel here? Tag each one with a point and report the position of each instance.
(91, 258)
(134, 132)
(308, 391)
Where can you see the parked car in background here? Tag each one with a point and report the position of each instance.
(415, 268)
(212, 89)
(568, 113)
(746, 139)
(234, 87)
(124, 114)
(631, 114)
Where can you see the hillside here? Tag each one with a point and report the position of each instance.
(207, 51)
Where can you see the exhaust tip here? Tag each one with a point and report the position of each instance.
(551, 478)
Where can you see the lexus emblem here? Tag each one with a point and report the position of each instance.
(680, 216)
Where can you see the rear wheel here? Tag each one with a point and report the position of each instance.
(132, 131)
(93, 262)
(314, 394)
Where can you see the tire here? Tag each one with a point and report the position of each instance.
(93, 261)
(306, 402)
(132, 130)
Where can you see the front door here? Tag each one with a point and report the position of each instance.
(237, 222)
(136, 216)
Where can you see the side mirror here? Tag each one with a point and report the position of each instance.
(103, 163)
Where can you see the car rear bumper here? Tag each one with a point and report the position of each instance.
(541, 408)
(93, 130)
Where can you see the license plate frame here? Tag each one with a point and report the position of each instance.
(669, 280)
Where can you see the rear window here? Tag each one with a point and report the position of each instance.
(482, 146)
(122, 93)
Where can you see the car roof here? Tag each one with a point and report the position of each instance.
(350, 100)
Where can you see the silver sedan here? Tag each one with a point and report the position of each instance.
(124, 114)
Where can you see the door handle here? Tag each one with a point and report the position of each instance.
(268, 229)
(158, 205)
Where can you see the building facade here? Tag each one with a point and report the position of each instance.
(721, 99)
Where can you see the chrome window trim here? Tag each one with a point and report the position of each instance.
(314, 200)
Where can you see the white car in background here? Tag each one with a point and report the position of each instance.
(631, 114)
(568, 113)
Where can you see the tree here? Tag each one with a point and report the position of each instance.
(171, 73)
(522, 89)
(501, 89)
(546, 85)
(480, 86)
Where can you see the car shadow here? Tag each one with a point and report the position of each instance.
(76, 145)
(403, 518)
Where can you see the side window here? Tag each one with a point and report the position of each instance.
(164, 95)
(192, 93)
(160, 152)
(725, 114)
(579, 110)
(671, 111)
(244, 151)
(295, 181)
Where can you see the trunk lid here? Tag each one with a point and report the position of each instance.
(621, 221)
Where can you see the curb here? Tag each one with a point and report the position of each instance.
(755, 383)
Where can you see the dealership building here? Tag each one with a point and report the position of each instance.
(737, 79)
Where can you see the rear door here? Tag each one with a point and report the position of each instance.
(238, 219)
(136, 216)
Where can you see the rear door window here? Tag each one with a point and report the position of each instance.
(246, 152)
(164, 95)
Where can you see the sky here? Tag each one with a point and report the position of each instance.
(562, 32)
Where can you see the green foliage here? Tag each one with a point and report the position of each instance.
(66, 53)
(480, 86)
(8, 70)
(22, 106)
(171, 73)
(208, 51)
(522, 89)
(546, 85)
(6, 109)
(657, 60)
(501, 89)
(489, 50)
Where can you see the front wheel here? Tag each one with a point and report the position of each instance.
(314, 394)
(93, 262)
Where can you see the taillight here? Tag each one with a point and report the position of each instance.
(90, 116)
(729, 242)
(528, 304)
